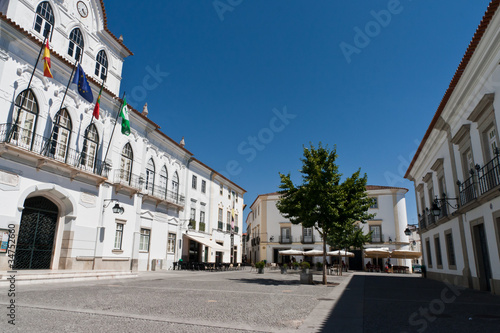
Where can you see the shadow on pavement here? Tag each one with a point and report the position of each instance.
(390, 303)
(266, 281)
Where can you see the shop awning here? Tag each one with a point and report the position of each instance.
(207, 242)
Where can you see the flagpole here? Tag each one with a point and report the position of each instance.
(91, 122)
(45, 150)
(112, 133)
(14, 126)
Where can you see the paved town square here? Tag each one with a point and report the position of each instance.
(244, 301)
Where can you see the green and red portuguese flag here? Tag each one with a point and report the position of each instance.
(124, 116)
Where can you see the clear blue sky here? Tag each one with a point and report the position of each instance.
(228, 69)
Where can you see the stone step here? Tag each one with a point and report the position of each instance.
(46, 276)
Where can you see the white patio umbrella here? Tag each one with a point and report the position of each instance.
(291, 253)
(340, 253)
(405, 254)
(313, 253)
(377, 253)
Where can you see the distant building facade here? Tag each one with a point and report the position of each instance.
(269, 232)
(456, 170)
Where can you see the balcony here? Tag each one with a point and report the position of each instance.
(50, 154)
(467, 190)
(307, 239)
(431, 219)
(158, 194)
(285, 240)
(489, 175)
(422, 221)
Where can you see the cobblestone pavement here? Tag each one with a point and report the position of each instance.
(243, 301)
(172, 301)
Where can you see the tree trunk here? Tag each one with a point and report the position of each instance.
(324, 261)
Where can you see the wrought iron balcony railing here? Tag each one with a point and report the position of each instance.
(489, 175)
(307, 239)
(52, 149)
(467, 190)
(285, 239)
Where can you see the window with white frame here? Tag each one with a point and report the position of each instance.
(175, 185)
(428, 250)
(144, 240)
(203, 186)
(101, 65)
(219, 219)
(90, 147)
(437, 247)
(25, 117)
(193, 214)
(221, 189)
(376, 233)
(450, 250)
(126, 163)
(150, 177)
(44, 19)
(61, 134)
(202, 216)
(75, 48)
(194, 182)
(164, 181)
(118, 236)
(374, 202)
(171, 243)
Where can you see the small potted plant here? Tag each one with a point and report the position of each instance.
(305, 266)
(296, 266)
(260, 267)
(305, 276)
(283, 268)
(319, 266)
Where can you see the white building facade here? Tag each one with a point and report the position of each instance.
(269, 232)
(63, 206)
(456, 170)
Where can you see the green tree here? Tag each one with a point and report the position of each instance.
(322, 201)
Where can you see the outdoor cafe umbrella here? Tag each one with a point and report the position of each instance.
(291, 253)
(340, 253)
(377, 253)
(405, 254)
(313, 253)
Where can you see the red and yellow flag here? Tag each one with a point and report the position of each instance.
(46, 64)
(98, 103)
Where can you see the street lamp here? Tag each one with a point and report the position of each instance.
(117, 209)
(438, 203)
(407, 231)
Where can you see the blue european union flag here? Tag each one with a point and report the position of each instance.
(83, 86)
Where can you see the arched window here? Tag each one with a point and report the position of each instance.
(90, 147)
(61, 134)
(101, 65)
(75, 47)
(175, 186)
(44, 19)
(164, 181)
(150, 176)
(126, 163)
(24, 118)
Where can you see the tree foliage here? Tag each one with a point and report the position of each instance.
(322, 201)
